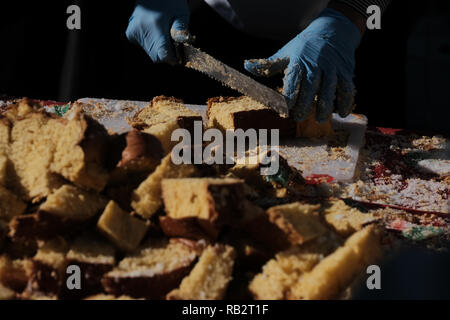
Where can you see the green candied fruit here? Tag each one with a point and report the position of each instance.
(282, 177)
(61, 110)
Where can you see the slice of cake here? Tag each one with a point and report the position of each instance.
(246, 113)
(133, 154)
(214, 202)
(283, 226)
(153, 271)
(336, 272)
(124, 230)
(344, 219)
(299, 222)
(281, 273)
(94, 257)
(48, 270)
(73, 203)
(310, 128)
(146, 199)
(10, 205)
(44, 148)
(162, 117)
(65, 210)
(209, 278)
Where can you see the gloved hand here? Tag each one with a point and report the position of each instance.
(320, 60)
(152, 24)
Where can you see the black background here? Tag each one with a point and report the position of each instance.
(41, 58)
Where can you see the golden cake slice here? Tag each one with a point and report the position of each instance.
(281, 273)
(245, 113)
(124, 230)
(298, 222)
(133, 155)
(344, 219)
(162, 117)
(214, 202)
(336, 272)
(152, 271)
(73, 203)
(43, 149)
(209, 278)
(64, 211)
(146, 199)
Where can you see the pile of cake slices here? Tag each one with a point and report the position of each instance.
(75, 197)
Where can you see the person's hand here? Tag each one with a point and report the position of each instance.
(319, 61)
(154, 22)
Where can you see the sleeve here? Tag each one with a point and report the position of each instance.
(362, 5)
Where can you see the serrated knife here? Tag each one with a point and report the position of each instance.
(196, 59)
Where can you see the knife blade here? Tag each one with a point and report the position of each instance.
(198, 60)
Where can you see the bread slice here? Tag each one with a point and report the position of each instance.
(209, 278)
(281, 273)
(43, 149)
(344, 219)
(283, 226)
(48, 269)
(94, 257)
(246, 113)
(336, 272)
(10, 205)
(146, 199)
(124, 230)
(214, 202)
(162, 117)
(152, 271)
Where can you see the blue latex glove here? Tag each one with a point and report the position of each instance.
(154, 22)
(320, 60)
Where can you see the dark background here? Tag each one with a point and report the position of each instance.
(402, 73)
(402, 78)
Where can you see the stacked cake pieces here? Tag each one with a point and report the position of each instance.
(118, 210)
